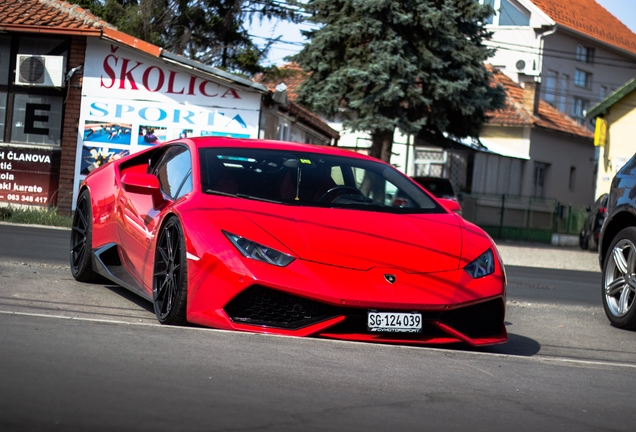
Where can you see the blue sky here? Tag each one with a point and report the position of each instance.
(624, 10)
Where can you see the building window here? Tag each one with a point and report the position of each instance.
(585, 54)
(563, 92)
(582, 79)
(603, 92)
(31, 112)
(508, 13)
(540, 179)
(37, 119)
(283, 130)
(490, 3)
(572, 178)
(551, 87)
(579, 109)
(5, 55)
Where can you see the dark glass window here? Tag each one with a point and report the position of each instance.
(175, 171)
(5, 57)
(585, 54)
(32, 88)
(491, 3)
(310, 179)
(511, 14)
(540, 179)
(582, 79)
(37, 119)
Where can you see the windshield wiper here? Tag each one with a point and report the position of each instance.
(216, 192)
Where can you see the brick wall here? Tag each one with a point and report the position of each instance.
(70, 126)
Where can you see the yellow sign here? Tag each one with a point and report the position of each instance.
(600, 134)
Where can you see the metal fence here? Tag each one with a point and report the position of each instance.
(521, 218)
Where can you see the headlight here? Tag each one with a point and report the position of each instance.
(482, 266)
(259, 252)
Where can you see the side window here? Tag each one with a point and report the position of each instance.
(174, 171)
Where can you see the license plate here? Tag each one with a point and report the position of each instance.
(394, 322)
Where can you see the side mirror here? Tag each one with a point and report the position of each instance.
(144, 184)
(450, 205)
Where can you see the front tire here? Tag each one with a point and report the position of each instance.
(169, 285)
(82, 240)
(619, 280)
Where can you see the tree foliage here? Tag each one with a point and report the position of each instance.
(210, 31)
(416, 65)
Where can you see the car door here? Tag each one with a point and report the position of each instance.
(140, 221)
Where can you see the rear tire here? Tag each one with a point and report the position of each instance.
(82, 240)
(170, 277)
(619, 280)
(583, 243)
(591, 243)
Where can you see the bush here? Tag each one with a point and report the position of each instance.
(34, 216)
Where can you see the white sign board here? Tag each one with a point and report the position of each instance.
(131, 101)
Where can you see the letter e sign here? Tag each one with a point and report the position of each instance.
(31, 118)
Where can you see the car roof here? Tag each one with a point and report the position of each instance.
(208, 142)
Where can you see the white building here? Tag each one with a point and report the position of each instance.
(577, 50)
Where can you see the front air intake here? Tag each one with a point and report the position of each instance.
(258, 305)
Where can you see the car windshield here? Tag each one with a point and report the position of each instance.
(310, 179)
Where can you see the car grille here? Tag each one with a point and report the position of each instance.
(476, 321)
(263, 306)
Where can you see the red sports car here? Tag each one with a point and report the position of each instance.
(292, 239)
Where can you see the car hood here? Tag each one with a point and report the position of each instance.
(362, 240)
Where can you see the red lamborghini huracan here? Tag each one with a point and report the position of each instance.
(292, 239)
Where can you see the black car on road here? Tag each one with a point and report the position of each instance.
(589, 235)
(617, 249)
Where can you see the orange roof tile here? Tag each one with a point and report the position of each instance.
(48, 14)
(590, 18)
(515, 114)
(292, 76)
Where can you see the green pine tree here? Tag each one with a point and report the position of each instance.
(415, 65)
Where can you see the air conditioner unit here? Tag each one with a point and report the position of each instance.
(39, 70)
(527, 66)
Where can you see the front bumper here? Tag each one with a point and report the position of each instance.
(310, 299)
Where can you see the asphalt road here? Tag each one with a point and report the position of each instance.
(79, 357)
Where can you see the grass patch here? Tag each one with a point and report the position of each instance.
(34, 216)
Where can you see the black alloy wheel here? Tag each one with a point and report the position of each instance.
(81, 241)
(169, 286)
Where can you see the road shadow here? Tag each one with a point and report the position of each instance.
(517, 345)
(131, 297)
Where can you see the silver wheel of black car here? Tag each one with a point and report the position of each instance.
(169, 286)
(619, 280)
(81, 240)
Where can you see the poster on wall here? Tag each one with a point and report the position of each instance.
(131, 101)
(115, 128)
(28, 176)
